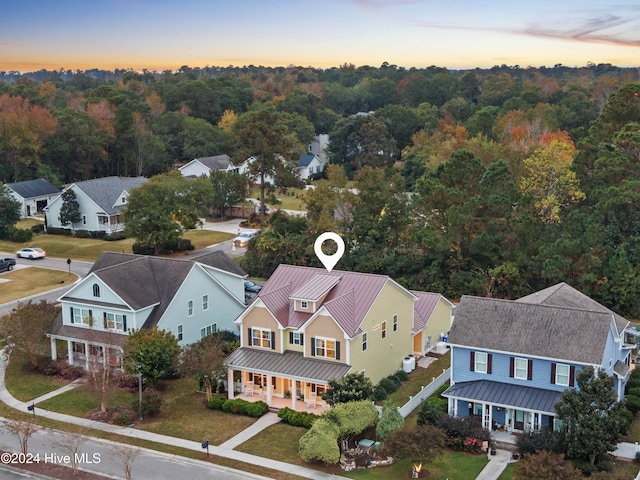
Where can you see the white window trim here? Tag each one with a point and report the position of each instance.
(558, 375)
(365, 344)
(190, 308)
(205, 303)
(516, 368)
(383, 330)
(304, 304)
(84, 319)
(258, 340)
(395, 323)
(180, 333)
(296, 338)
(325, 348)
(113, 323)
(477, 363)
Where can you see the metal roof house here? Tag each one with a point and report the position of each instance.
(189, 297)
(33, 195)
(511, 360)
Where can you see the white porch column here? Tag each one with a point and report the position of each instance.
(70, 351)
(231, 385)
(54, 351)
(488, 415)
(451, 406)
(269, 389)
(294, 397)
(86, 355)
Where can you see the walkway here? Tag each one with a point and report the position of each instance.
(222, 451)
(496, 466)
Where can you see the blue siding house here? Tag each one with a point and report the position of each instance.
(511, 360)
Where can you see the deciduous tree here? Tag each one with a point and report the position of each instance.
(70, 208)
(9, 211)
(156, 350)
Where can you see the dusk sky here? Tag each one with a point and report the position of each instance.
(166, 34)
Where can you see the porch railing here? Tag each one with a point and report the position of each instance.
(425, 393)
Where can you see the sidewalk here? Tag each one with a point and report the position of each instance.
(222, 451)
(495, 467)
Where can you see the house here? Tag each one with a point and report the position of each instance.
(205, 165)
(309, 165)
(189, 297)
(308, 326)
(432, 317)
(318, 146)
(33, 195)
(511, 360)
(101, 202)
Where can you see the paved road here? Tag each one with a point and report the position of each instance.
(104, 457)
(10, 474)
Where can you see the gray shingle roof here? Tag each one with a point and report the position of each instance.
(106, 191)
(305, 160)
(216, 162)
(142, 281)
(531, 329)
(506, 395)
(289, 364)
(33, 188)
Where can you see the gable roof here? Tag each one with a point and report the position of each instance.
(534, 329)
(423, 308)
(106, 191)
(216, 162)
(339, 302)
(305, 160)
(144, 281)
(33, 188)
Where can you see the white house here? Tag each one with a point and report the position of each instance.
(309, 165)
(33, 195)
(101, 202)
(205, 165)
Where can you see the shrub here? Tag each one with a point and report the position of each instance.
(123, 418)
(62, 369)
(464, 433)
(83, 234)
(127, 382)
(19, 235)
(632, 403)
(605, 466)
(379, 393)
(39, 228)
(628, 419)
(100, 234)
(113, 237)
(141, 249)
(256, 409)
(215, 403)
(390, 420)
(388, 385)
(635, 391)
(530, 443)
(58, 231)
(151, 402)
(297, 419)
(431, 410)
(402, 375)
(638, 457)
(320, 443)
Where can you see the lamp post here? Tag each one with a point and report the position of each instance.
(139, 365)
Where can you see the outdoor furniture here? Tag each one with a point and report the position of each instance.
(248, 389)
(311, 400)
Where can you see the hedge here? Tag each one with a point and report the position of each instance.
(297, 419)
(238, 406)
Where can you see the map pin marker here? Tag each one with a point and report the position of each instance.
(329, 261)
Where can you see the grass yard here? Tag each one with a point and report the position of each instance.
(81, 400)
(278, 442)
(29, 281)
(509, 472)
(450, 465)
(420, 377)
(25, 383)
(292, 200)
(634, 431)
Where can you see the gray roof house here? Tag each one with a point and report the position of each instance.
(189, 297)
(101, 201)
(33, 195)
(205, 165)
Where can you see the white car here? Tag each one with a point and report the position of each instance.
(31, 253)
(242, 240)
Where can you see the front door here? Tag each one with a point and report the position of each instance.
(519, 420)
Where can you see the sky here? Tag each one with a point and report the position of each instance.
(456, 34)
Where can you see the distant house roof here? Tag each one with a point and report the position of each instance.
(105, 191)
(144, 281)
(33, 188)
(305, 160)
(339, 302)
(288, 364)
(216, 162)
(505, 394)
(572, 334)
(423, 308)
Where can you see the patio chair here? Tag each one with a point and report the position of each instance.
(248, 389)
(311, 400)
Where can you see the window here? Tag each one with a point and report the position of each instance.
(205, 302)
(562, 375)
(84, 219)
(383, 330)
(304, 304)
(180, 332)
(364, 342)
(81, 315)
(480, 365)
(208, 330)
(114, 321)
(520, 370)
(123, 200)
(395, 323)
(96, 290)
(325, 347)
(261, 337)
(190, 308)
(295, 338)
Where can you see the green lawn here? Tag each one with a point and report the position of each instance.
(292, 200)
(81, 400)
(420, 377)
(26, 383)
(30, 281)
(278, 442)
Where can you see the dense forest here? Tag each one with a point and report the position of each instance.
(492, 182)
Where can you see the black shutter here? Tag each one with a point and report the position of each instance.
(489, 362)
(273, 340)
(91, 322)
(529, 369)
(472, 361)
(553, 374)
(572, 376)
(337, 350)
(512, 362)
(291, 338)
(249, 337)
(124, 322)
(104, 320)
(313, 347)
(71, 314)
(302, 339)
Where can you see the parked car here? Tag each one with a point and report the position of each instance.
(252, 287)
(31, 253)
(242, 240)
(7, 264)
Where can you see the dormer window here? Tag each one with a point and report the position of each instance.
(304, 304)
(96, 290)
(123, 199)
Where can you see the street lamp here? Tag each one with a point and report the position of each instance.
(139, 365)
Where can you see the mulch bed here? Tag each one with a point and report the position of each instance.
(57, 471)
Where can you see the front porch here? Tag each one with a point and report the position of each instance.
(278, 402)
